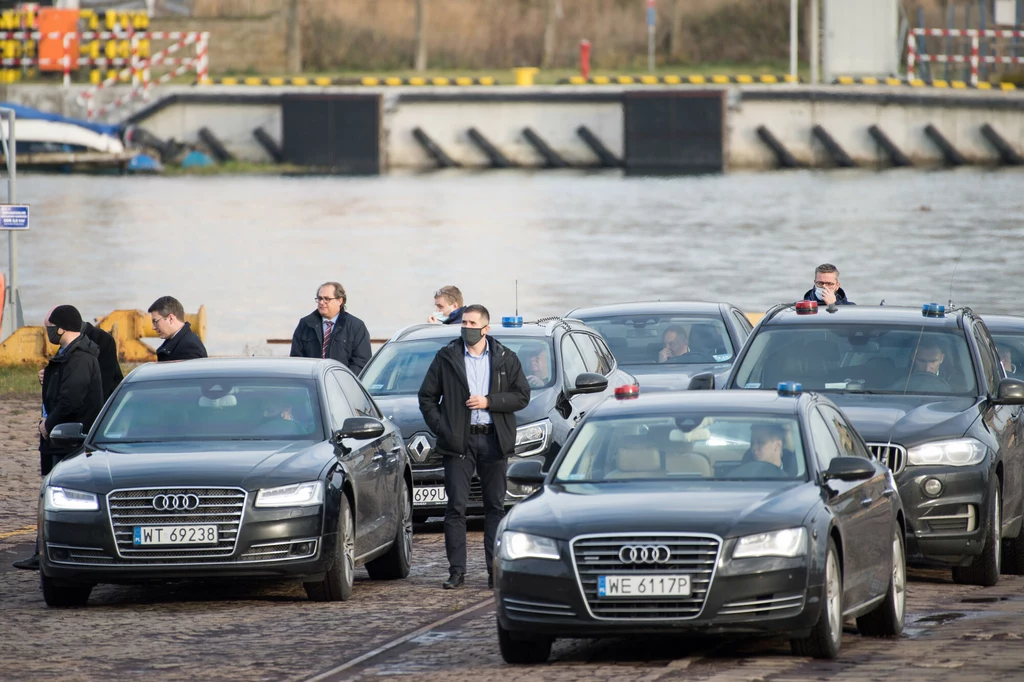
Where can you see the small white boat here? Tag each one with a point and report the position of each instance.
(39, 136)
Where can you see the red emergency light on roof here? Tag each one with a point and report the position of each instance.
(625, 392)
(806, 307)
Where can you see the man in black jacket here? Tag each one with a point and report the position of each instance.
(72, 390)
(826, 289)
(180, 342)
(469, 398)
(110, 368)
(330, 332)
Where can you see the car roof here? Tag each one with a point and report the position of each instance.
(543, 327)
(1003, 323)
(298, 368)
(861, 314)
(725, 401)
(650, 307)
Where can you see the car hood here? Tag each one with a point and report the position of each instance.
(674, 377)
(724, 508)
(246, 464)
(907, 420)
(404, 410)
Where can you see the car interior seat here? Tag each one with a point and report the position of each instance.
(636, 457)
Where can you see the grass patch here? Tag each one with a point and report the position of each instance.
(19, 381)
(235, 168)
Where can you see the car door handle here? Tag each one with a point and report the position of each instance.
(888, 493)
(866, 502)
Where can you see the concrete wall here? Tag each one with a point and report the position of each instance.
(232, 124)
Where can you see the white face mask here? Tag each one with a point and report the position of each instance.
(440, 317)
(820, 293)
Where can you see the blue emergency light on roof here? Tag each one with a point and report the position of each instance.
(511, 322)
(933, 310)
(790, 388)
(806, 307)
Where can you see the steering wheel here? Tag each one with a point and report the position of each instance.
(924, 382)
(756, 469)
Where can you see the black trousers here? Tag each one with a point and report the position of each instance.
(483, 456)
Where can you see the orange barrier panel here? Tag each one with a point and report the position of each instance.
(51, 49)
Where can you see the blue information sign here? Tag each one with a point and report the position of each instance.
(13, 217)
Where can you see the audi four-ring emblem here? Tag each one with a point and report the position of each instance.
(645, 554)
(176, 502)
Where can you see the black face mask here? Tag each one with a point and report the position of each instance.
(53, 336)
(472, 335)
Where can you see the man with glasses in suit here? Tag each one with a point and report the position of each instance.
(331, 332)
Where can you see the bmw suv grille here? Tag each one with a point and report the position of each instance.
(892, 456)
(693, 555)
(221, 506)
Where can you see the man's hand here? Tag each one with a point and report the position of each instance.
(829, 297)
(534, 381)
(42, 430)
(477, 402)
(432, 319)
(664, 354)
(41, 376)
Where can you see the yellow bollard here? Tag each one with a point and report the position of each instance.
(525, 74)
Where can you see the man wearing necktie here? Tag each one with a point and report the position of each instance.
(331, 332)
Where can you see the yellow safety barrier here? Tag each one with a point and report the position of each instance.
(524, 75)
(29, 345)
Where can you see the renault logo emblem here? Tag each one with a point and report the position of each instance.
(645, 554)
(176, 502)
(419, 448)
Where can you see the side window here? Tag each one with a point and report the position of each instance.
(604, 356)
(743, 322)
(337, 403)
(572, 360)
(357, 398)
(589, 352)
(825, 448)
(849, 443)
(990, 365)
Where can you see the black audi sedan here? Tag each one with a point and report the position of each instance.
(228, 468)
(711, 511)
(568, 366)
(925, 388)
(664, 344)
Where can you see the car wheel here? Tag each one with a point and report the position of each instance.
(395, 564)
(337, 584)
(984, 569)
(523, 651)
(827, 634)
(887, 619)
(61, 595)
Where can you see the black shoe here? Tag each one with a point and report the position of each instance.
(490, 582)
(454, 580)
(29, 564)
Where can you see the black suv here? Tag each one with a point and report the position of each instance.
(925, 389)
(568, 365)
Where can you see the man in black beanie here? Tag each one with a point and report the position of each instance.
(72, 389)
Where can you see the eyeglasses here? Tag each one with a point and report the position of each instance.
(825, 284)
(325, 299)
(158, 320)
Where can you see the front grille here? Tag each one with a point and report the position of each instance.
(892, 456)
(476, 491)
(951, 518)
(538, 608)
(67, 554)
(689, 554)
(223, 507)
(773, 605)
(91, 556)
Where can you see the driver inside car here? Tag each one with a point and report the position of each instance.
(928, 358)
(538, 368)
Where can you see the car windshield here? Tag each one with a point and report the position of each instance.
(860, 358)
(656, 339)
(1011, 353)
(685, 446)
(399, 368)
(212, 409)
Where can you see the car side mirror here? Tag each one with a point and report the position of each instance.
(705, 381)
(68, 435)
(1010, 392)
(850, 469)
(360, 428)
(526, 472)
(589, 382)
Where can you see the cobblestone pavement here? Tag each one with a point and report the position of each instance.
(415, 630)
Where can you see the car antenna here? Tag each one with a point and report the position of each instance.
(517, 298)
(955, 266)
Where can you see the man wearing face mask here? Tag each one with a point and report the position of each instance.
(72, 389)
(447, 306)
(826, 289)
(469, 398)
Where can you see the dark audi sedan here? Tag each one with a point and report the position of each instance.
(713, 511)
(664, 344)
(225, 468)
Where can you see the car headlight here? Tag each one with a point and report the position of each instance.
(513, 545)
(961, 452)
(533, 438)
(787, 543)
(295, 495)
(63, 499)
